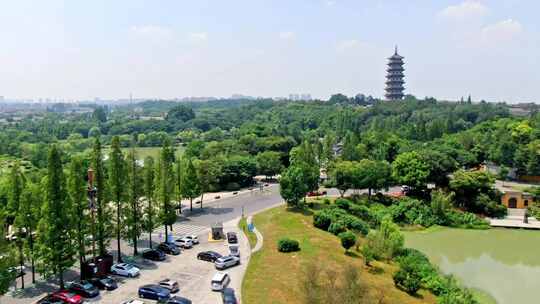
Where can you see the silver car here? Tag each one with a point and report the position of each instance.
(226, 262)
(184, 243)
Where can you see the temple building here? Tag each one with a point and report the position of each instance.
(394, 77)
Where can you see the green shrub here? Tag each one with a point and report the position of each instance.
(407, 279)
(445, 287)
(413, 212)
(288, 245)
(386, 242)
(326, 201)
(377, 213)
(337, 227)
(342, 203)
(359, 226)
(348, 239)
(361, 211)
(322, 220)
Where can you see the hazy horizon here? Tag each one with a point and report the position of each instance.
(172, 49)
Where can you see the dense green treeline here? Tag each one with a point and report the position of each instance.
(225, 144)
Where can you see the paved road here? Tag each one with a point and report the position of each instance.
(223, 210)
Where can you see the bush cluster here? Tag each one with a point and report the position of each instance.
(288, 245)
(416, 271)
(336, 220)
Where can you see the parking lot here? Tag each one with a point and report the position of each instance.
(193, 275)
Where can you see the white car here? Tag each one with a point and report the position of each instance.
(226, 262)
(220, 281)
(194, 239)
(184, 243)
(125, 269)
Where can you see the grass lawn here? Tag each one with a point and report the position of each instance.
(252, 238)
(274, 277)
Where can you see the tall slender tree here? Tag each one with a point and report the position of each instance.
(77, 194)
(102, 221)
(56, 248)
(178, 184)
(190, 183)
(166, 186)
(27, 218)
(117, 177)
(150, 217)
(133, 222)
(206, 176)
(16, 182)
(6, 259)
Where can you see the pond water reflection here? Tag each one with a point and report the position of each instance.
(505, 263)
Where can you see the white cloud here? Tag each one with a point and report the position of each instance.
(502, 31)
(465, 10)
(287, 35)
(198, 37)
(152, 30)
(346, 45)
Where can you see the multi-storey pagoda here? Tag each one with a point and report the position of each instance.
(394, 77)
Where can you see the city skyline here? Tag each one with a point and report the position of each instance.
(79, 51)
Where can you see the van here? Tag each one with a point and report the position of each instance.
(220, 281)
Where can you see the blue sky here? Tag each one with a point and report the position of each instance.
(165, 49)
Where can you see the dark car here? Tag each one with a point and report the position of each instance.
(106, 283)
(175, 300)
(210, 256)
(154, 255)
(228, 296)
(84, 288)
(169, 248)
(49, 300)
(232, 238)
(154, 292)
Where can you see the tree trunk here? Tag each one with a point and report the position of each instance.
(22, 265)
(61, 279)
(119, 258)
(190, 204)
(150, 240)
(31, 243)
(135, 222)
(202, 196)
(369, 194)
(134, 245)
(166, 233)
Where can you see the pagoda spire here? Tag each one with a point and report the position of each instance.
(394, 77)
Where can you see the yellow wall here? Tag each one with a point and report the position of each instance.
(519, 198)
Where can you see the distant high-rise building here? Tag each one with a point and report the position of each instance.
(305, 97)
(394, 77)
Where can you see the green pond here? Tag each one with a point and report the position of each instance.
(503, 263)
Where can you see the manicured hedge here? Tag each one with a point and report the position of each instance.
(288, 245)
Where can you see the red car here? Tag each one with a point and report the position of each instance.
(67, 297)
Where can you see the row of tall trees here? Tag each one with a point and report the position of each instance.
(74, 210)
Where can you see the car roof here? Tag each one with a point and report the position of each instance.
(151, 286)
(219, 276)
